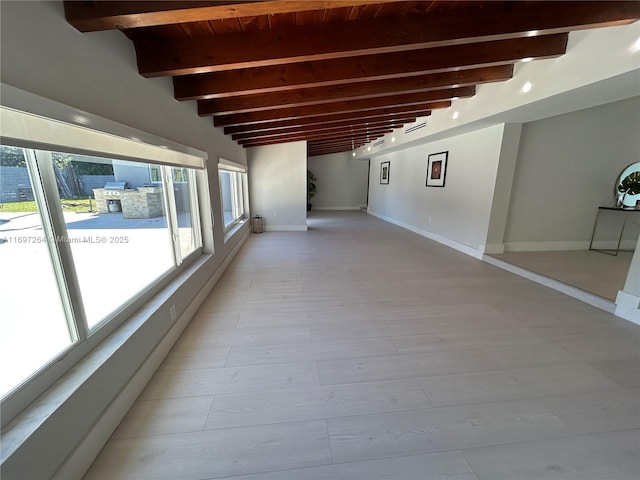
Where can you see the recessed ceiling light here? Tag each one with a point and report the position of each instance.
(81, 119)
(526, 60)
(532, 33)
(636, 46)
(455, 115)
(353, 154)
(393, 139)
(368, 149)
(526, 88)
(455, 98)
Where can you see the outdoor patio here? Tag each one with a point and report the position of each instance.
(115, 258)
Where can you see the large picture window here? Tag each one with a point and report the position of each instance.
(31, 332)
(232, 190)
(83, 237)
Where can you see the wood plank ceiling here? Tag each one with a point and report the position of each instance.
(337, 73)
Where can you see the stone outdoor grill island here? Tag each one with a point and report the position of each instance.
(142, 202)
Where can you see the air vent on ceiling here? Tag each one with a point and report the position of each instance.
(416, 127)
(378, 143)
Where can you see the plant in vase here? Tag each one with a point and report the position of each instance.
(630, 185)
(311, 188)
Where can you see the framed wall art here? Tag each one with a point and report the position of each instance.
(384, 173)
(437, 169)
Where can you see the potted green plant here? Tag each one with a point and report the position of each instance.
(311, 188)
(630, 185)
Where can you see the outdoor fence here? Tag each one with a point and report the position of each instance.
(15, 185)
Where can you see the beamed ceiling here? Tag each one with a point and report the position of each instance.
(337, 73)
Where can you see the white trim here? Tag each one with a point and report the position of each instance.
(432, 236)
(628, 306)
(336, 208)
(565, 246)
(286, 228)
(77, 464)
(29, 120)
(224, 164)
(586, 297)
(545, 246)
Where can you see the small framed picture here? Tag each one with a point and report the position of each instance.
(384, 173)
(437, 169)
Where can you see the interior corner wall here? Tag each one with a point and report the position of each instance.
(628, 299)
(503, 188)
(567, 167)
(341, 181)
(278, 185)
(456, 214)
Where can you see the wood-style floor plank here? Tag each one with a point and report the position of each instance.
(441, 429)
(235, 410)
(215, 453)
(599, 456)
(359, 350)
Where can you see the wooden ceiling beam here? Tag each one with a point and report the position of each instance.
(434, 96)
(331, 149)
(364, 140)
(328, 120)
(360, 90)
(333, 143)
(350, 70)
(469, 22)
(334, 150)
(368, 136)
(347, 127)
(328, 152)
(108, 15)
(323, 135)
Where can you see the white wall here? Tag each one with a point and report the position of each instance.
(457, 214)
(567, 167)
(278, 185)
(628, 299)
(503, 188)
(97, 73)
(342, 181)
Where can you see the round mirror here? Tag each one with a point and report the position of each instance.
(627, 193)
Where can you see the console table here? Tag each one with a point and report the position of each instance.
(624, 224)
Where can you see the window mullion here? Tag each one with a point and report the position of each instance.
(234, 196)
(237, 195)
(195, 210)
(172, 214)
(55, 230)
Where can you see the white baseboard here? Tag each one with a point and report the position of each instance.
(544, 246)
(564, 246)
(77, 464)
(628, 306)
(432, 236)
(286, 228)
(591, 299)
(336, 208)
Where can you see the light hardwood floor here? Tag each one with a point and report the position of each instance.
(359, 350)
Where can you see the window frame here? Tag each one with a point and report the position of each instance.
(238, 193)
(158, 169)
(117, 141)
